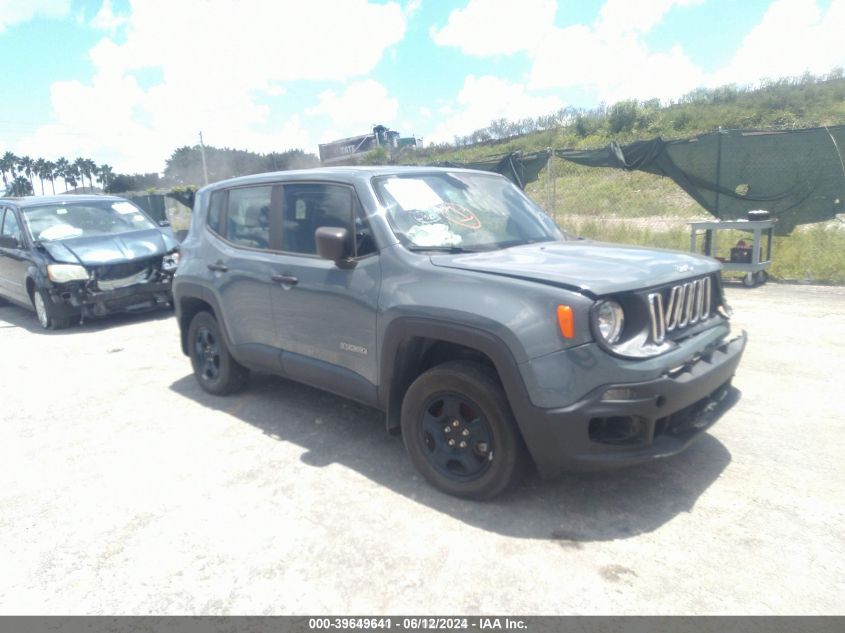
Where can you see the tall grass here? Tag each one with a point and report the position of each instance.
(813, 253)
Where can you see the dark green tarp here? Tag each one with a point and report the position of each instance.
(521, 169)
(796, 175)
(153, 202)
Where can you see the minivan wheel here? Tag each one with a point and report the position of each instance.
(460, 433)
(215, 369)
(45, 312)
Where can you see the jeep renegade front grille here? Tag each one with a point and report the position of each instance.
(678, 307)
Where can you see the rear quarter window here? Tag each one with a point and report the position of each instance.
(215, 212)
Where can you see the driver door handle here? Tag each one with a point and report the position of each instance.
(219, 267)
(287, 280)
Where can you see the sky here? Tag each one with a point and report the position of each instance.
(126, 82)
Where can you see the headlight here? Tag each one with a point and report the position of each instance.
(170, 262)
(62, 273)
(610, 320)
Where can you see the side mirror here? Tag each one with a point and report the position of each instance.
(332, 243)
(7, 241)
(164, 222)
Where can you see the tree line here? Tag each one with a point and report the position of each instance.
(184, 167)
(785, 103)
(20, 173)
(24, 176)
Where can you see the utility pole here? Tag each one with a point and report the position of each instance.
(202, 151)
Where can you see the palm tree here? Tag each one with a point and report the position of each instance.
(62, 166)
(92, 171)
(8, 164)
(26, 164)
(71, 175)
(38, 169)
(81, 166)
(49, 172)
(21, 186)
(106, 174)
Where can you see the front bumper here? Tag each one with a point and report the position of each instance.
(644, 420)
(73, 301)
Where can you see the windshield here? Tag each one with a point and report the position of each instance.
(66, 220)
(461, 211)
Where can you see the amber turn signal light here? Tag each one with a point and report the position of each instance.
(566, 321)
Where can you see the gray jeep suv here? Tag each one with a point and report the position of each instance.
(448, 300)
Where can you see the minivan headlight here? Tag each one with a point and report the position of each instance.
(62, 273)
(170, 261)
(610, 319)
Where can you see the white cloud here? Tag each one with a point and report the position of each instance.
(357, 109)
(794, 36)
(106, 19)
(608, 57)
(623, 16)
(16, 11)
(412, 7)
(485, 99)
(220, 64)
(614, 67)
(496, 27)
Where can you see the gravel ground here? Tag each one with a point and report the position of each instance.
(126, 490)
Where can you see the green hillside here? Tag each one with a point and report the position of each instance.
(639, 208)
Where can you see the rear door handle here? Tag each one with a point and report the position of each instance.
(218, 267)
(287, 280)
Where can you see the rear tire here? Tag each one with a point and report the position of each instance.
(46, 312)
(216, 370)
(459, 431)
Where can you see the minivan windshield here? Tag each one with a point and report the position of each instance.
(460, 211)
(52, 222)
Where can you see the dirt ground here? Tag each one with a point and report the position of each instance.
(124, 489)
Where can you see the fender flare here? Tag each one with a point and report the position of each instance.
(190, 290)
(398, 348)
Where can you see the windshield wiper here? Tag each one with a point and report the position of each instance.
(440, 249)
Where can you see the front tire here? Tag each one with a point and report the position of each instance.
(216, 370)
(45, 311)
(459, 431)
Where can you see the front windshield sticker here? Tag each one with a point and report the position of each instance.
(59, 232)
(433, 235)
(412, 194)
(124, 208)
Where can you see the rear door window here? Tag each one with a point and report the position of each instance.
(10, 226)
(248, 216)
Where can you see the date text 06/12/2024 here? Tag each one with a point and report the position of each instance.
(423, 623)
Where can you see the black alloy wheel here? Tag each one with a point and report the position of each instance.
(207, 349)
(459, 431)
(457, 439)
(214, 367)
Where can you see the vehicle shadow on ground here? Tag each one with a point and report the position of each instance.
(570, 509)
(14, 316)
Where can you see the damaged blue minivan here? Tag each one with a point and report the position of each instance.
(71, 257)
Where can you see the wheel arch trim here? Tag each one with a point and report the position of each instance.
(396, 351)
(196, 292)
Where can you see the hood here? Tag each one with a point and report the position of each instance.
(593, 267)
(110, 249)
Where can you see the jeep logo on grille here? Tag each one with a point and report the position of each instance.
(685, 304)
